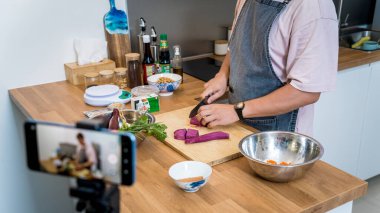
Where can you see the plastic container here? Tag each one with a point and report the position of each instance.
(146, 90)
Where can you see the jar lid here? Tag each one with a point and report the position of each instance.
(132, 56)
(145, 90)
(91, 75)
(106, 72)
(120, 70)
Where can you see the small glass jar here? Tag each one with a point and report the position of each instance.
(91, 79)
(121, 77)
(107, 76)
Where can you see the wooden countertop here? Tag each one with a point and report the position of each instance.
(348, 58)
(232, 186)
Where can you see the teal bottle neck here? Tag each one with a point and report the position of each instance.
(112, 4)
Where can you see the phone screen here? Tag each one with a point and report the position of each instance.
(81, 153)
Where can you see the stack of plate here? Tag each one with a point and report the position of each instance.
(105, 95)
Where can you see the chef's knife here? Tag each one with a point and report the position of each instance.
(194, 111)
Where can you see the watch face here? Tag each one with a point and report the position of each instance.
(240, 105)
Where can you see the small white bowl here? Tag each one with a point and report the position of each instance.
(166, 89)
(190, 169)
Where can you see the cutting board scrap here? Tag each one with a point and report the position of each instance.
(212, 152)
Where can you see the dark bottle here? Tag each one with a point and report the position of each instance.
(177, 61)
(134, 70)
(148, 62)
(114, 121)
(164, 54)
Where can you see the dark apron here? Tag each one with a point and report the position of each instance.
(251, 72)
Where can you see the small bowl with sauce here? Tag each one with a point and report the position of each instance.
(190, 176)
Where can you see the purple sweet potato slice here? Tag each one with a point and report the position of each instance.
(180, 134)
(208, 137)
(192, 133)
(195, 121)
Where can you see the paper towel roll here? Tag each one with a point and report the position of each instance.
(220, 47)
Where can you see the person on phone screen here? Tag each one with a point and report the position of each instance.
(85, 154)
(282, 55)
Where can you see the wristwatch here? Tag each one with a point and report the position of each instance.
(239, 109)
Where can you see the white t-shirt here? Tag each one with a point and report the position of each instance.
(304, 48)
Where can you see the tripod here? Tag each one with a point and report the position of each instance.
(95, 196)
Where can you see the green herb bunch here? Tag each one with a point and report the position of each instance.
(142, 124)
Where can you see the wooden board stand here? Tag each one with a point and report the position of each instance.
(74, 72)
(118, 46)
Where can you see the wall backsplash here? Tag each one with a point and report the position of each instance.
(361, 11)
(192, 24)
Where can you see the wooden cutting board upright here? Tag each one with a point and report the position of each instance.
(212, 152)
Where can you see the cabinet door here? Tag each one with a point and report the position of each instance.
(369, 159)
(339, 119)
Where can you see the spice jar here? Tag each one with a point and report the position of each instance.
(121, 77)
(134, 70)
(91, 79)
(107, 76)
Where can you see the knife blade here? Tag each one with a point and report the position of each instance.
(194, 111)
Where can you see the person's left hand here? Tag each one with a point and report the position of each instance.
(217, 115)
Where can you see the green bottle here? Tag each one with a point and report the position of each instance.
(164, 54)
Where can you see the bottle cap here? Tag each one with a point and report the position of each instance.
(177, 50)
(146, 38)
(163, 37)
(132, 56)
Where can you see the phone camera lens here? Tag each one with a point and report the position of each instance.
(125, 150)
(125, 161)
(126, 172)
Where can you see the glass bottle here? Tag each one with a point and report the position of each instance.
(155, 49)
(148, 62)
(134, 70)
(164, 54)
(140, 37)
(121, 77)
(177, 61)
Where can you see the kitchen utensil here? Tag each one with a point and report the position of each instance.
(190, 175)
(194, 111)
(130, 117)
(212, 152)
(117, 35)
(299, 150)
(166, 89)
(105, 95)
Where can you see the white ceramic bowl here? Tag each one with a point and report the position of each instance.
(190, 169)
(166, 89)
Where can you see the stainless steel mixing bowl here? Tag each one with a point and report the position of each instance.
(300, 150)
(130, 116)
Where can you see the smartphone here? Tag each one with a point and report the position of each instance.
(82, 153)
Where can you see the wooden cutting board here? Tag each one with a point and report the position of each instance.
(212, 152)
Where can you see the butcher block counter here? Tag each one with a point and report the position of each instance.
(348, 58)
(232, 186)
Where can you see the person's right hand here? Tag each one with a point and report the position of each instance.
(216, 87)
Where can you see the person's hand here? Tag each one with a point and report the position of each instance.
(216, 87)
(217, 115)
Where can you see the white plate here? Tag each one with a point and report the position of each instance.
(103, 90)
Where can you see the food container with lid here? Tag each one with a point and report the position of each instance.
(121, 77)
(91, 79)
(107, 76)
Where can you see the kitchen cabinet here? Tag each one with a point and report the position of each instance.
(369, 157)
(339, 118)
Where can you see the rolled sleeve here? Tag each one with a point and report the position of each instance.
(313, 56)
